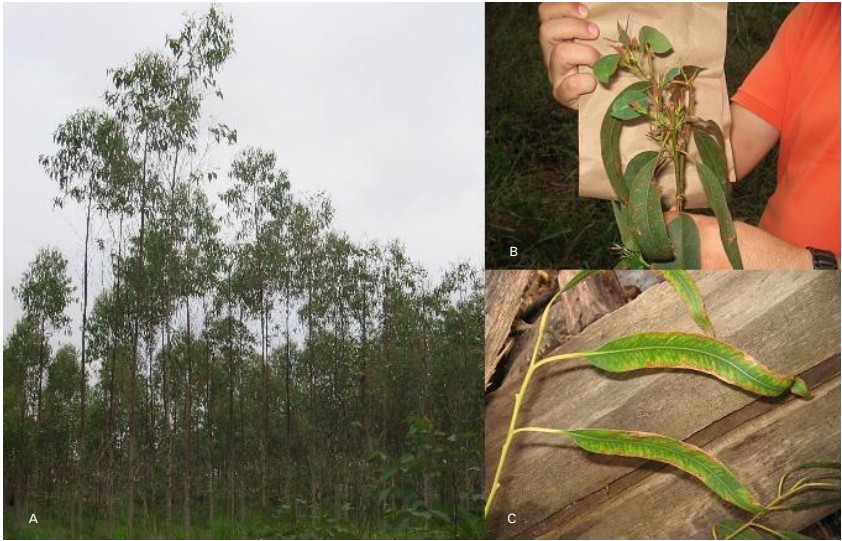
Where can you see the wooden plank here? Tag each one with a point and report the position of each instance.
(787, 320)
(503, 291)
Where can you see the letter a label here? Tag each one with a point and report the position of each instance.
(33, 518)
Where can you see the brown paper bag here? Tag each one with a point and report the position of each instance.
(697, 32)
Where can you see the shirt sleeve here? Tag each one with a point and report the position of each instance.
(764, 92)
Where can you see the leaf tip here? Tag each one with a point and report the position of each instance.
(799, 388)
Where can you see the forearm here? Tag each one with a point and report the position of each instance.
(759, 249)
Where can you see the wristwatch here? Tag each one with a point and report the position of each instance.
(823, 260)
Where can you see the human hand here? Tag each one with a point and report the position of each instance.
(561, 22)
(758, 249)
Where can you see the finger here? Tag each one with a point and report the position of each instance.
(557, 31)
(566, 58)
(569, 89)
(553, 10)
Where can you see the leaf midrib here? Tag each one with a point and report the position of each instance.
(724, 359)
(716, 473)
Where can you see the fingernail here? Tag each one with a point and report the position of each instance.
(594, 31)
(583, 11)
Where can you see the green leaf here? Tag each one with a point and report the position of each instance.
(579, 277)
(645, 215)
(629, 104)
(621, 216)
(804, 506)
(606, 67)
(689, 293)
(685, 73)
(609, 137)
(787, 534)
(724, 529)
(656, 40)
(712, 153)
(685, 244)
(719, 203)
(683, 456)
(693, 352)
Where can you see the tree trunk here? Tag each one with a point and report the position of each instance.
(189, 421)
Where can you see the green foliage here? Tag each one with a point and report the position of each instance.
(531, 146)
(668, 103)
(670, 350)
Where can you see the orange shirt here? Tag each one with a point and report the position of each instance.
(795, 88)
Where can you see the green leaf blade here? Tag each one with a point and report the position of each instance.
(686, 245)
(606, 67)
(674, 350)
(689, 293)
(578, 278)
(719, 203)
(683, 456)
(724, 529)
(621, 216)
(645, 215)
(655, 39)
(609, 137)
(711, 152)
(629, 104)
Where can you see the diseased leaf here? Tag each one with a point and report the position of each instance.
(645, 215)
(656, 40)
(689, 293)
(693, 352)
(629, 104)
(685, 244)
(609, 137)
(621, 216)
(683, 456)
(719, 203)
(606, 67)
(724, 529)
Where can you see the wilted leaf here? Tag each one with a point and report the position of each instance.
(621, 216)
(693, 352)
(629, 104)
(609, 136)
(656, 40)
(689, 293)
(645, 215)
(683, 456)
(726, 528)
(606, 67)
(719, 203)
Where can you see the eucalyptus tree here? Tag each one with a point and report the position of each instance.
(21, 353)
(259, 196)
(90, 165)
(44, 292)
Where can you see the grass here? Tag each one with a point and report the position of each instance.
(531, 162)
(280, 525)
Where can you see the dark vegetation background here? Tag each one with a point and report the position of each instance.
(531, 160)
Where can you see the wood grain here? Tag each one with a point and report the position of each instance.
(787, 320)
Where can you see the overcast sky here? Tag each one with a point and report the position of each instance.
(380, 106)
